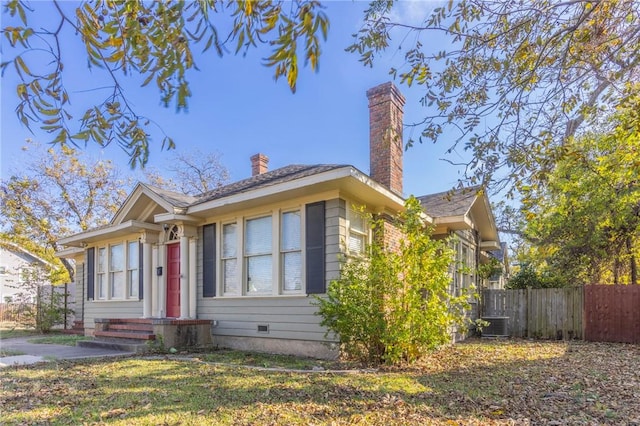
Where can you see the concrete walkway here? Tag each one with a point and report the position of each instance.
(34, 353)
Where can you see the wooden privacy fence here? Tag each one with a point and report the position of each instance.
(612, 313)
(546, 313)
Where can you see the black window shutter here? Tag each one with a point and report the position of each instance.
(91, 262)
(315, 252)
(209, 260)
(140, 272)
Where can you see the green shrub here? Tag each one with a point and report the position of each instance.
(392, 306)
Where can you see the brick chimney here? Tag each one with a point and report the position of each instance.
(259, 164)
(385, 135)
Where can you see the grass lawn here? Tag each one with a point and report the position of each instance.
(477, 382)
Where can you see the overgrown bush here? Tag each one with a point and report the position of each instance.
(528, 277)
(392, 306)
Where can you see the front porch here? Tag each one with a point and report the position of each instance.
(142, 334)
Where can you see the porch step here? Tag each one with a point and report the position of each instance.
(131, 327)
(129, 346)
(133, 335)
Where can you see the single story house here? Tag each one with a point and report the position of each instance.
(247, 258)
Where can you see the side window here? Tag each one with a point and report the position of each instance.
(133, 261)
(116, 271)
(258, 255)
(101, 270)
(358, 232)
(229, 256)
(291, 251)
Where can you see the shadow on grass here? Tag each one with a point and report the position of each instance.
(477, 382)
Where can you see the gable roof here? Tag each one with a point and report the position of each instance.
(450, 203)
(465, 208)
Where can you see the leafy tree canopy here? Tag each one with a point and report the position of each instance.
(58, 193)
(517, 80)
(158, 41)
(584, 219)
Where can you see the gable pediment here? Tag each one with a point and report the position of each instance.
(142, 205)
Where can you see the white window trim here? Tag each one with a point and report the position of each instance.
(222, 259)
(107, 273)
(282, 252)
(277, 289)
(366, 232)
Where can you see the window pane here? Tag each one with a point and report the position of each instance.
(117, 258)
(102, 255)
(258, 236)
(102, 289)
(133, 283)
(356, 243)
(356, 220)
(133, 255)
(290, 231)
(292, 271)
(230, 278)
(229, 240)
(117, 285)
(259, 277)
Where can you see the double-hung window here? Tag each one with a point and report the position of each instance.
(116, 271)
(133, 264)
(291, 251)
(230, 278)
(101, 268)
(258, 244)
(358, 233)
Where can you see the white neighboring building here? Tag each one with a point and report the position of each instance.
(16, 266)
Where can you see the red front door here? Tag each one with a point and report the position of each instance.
(173, 281)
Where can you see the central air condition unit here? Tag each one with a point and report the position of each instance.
(498, 327)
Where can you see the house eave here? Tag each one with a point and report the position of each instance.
(86, 238)
(70, 253)
(347, 180)
(173, 218)
(490, 245)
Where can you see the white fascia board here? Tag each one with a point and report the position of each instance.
(172, 217)
(69, 253)
(455, 222)
(490, 245)
(78, 240)
(337, 175)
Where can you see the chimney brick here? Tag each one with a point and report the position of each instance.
(259, 164)
(385, 135)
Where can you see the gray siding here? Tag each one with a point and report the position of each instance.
(80, 294)
(336, 223)
(100, 309)
(287, 317)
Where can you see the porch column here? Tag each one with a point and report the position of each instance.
(162, 286)
(192, 278)
(184, 277)
(153, 297)
(147, 275)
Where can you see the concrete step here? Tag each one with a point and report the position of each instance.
(131, 327)
(133, 335)
(115, 345)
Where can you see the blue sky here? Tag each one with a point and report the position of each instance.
(238, 110)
